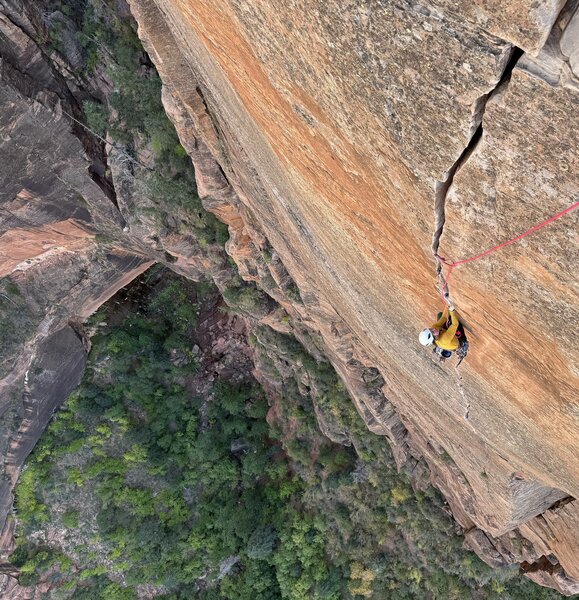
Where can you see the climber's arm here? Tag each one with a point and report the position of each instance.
(441, 321)
(451, 331)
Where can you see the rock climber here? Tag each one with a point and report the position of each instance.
(441, 334)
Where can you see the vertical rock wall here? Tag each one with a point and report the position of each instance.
(52, 270)
(350, 133)
(337, 140)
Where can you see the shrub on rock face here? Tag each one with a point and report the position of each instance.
(97, 117)
(70, 519)
(245, 297)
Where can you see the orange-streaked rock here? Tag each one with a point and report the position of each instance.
(19, 247)
(333, 124)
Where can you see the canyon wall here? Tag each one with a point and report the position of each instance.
(53, 271)
(70, 238)
(361, 136)
(341, 143)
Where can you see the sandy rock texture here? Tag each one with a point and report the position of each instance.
(347, 135)
(341, 142)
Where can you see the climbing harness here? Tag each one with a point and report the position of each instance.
(452, 264)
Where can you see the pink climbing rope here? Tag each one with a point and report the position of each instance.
(451, 264)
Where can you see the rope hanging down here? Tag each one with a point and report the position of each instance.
(451, 264)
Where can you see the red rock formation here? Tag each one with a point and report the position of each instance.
(53, 202)
(341, 128)
(334, 139)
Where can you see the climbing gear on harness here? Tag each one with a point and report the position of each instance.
(462, 352)
(425, 337)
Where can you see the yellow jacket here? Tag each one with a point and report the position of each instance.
(447, 339)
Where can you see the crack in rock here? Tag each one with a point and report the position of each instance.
(463, 395)
(476, 131)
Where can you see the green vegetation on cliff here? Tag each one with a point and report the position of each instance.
(128, 110)
(140, 485)
(144, 487)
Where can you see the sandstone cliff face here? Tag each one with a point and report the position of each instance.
(335, 139)
(351, 132)
(51, 266)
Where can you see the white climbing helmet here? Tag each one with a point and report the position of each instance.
(426, 338)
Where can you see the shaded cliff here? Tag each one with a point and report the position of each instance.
(52, 266)
(70, 237)
(334, 142)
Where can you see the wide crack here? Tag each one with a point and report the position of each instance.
(442, 187)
